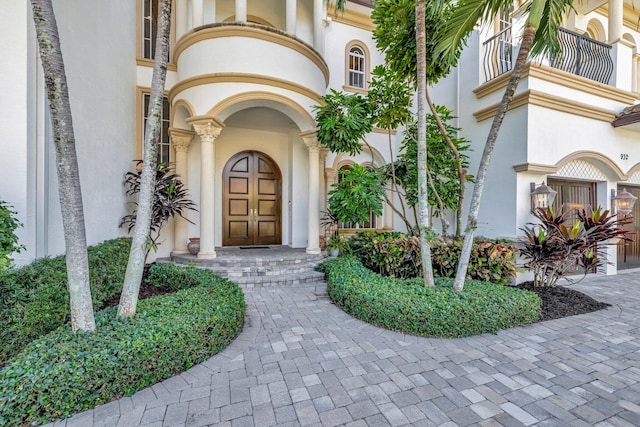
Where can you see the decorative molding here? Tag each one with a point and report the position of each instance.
(559, 77)
(207, 132)
(599, 159)
(535, 168)
(355, 89)
(216, 110)
(552, 102)
(250, 30)
(180, 139)
(241, 78)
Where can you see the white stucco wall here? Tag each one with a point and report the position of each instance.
(15, 40)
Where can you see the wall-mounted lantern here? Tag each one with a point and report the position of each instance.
(622, 202)
(542, 196)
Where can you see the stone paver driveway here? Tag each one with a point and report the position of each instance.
(302, 361)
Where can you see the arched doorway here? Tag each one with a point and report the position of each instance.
(251, 200)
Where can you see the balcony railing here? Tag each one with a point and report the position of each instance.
(579, 55)
(583, 56)
(498, 54)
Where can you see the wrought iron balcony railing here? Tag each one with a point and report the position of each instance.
(579, 55)
(583, 56)
(498, 54)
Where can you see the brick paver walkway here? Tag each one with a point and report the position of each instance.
(302, 361)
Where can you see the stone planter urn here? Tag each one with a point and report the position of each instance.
(194, 245)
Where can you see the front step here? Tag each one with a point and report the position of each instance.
(280, 266)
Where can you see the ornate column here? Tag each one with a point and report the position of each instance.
(180, 140)
(208, 130)
(241, 10)
(616, 9)
(318, 16)
(197, 13)
(291, 17)
(313, 218)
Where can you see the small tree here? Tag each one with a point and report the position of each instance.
(8, 239)
(170, 198)
(359, 192)
(552, 249)
(64, 142)
(137, 256)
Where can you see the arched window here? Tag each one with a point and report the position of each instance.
(357, 67)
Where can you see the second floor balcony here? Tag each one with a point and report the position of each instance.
(579, 55)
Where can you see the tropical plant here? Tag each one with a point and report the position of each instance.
(359, 192)
(8, 239)
(540, 35)
(170, 198)
(69, 191)
(138, 253)
(553, 249)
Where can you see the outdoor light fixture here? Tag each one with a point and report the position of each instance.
(622, 203)
(542, 196)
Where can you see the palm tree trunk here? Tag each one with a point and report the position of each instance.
(423, 206)
(137, 256)
(69, 190)
(472, 219)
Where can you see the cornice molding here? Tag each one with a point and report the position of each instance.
(559, 77)
(541, 99)
(241, 78)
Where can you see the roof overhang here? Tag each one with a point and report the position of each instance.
(629, 118)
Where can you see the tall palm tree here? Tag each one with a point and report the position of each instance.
(423, 206)
(69, 190)
(135, 266)
(540, 35)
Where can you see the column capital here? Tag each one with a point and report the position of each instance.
(180, 138)
(323, 153)
(207, 131)
(310, 139)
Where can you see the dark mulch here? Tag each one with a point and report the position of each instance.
(560, 301)
(147, 290)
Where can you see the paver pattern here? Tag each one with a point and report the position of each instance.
(302, 361)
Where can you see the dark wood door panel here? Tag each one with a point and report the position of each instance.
(252, 200)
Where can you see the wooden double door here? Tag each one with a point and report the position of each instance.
(252, 201)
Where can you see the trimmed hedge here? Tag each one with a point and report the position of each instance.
(397, 254)
(34, 299)
(410, 307)
(63, 372)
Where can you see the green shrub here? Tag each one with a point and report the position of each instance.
(63, 372)
(398, 255)
(410, 307)
(167, 275)
(34, 299)
(8, 239)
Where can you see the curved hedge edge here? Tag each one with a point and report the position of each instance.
(63, 373)
(409, 307)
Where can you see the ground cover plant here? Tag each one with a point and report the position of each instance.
(63, 373)
(398, 255)
(410, 307)
(34, 299)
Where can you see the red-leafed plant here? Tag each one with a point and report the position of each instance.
(554, 248)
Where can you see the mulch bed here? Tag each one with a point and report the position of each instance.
(147, 290)
(559, 301)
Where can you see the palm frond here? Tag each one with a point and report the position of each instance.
(466, 15)
(546, 39)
